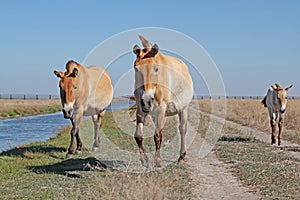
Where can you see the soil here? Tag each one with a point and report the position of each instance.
(212, 178)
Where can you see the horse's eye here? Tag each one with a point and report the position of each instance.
(156, 69)
(74, 87)
(286, 97)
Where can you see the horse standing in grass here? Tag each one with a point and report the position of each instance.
(276, 101)
(84, 91)
(163, 87)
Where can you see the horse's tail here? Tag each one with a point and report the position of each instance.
(264, 101)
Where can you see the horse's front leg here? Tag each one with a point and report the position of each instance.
(71, 146)
(138, 136)
(159, 119)
(74, 133)
(97, 119)
(273, 127)
(183, 115)
(280, 125)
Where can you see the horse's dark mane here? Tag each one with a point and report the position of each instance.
(264, 101)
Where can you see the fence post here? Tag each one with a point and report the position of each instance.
(37, 97)
(10, 96)
(24, 96)
(50, 96)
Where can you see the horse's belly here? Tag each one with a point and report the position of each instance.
(92, 110)
(171, 109)
(89, 111)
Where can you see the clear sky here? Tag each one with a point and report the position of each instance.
(253, 43)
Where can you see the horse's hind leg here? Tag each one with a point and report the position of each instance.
(97, 120)
(182, 129)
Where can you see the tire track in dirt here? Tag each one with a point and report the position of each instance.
(210, 177)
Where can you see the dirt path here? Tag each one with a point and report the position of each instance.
(212, 179)
(290, 148)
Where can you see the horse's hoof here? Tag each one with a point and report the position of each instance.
(79, 152)
(69, 156)
(182, 157)
(94, 149)
(157, 163)
(144, 162)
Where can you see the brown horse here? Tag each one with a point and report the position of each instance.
(163, 87)
(276, 101)
(84, 91)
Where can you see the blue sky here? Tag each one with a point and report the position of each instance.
(253, 43)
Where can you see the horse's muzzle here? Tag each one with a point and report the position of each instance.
(146, 106)
(67, 114)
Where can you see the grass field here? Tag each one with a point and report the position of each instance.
(19, 107)
(273, 173)
(252, 113)
(40, 171)
(264, 168)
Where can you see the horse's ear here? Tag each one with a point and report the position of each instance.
(278, 86)
(145, 42)
(136, 50)
(154, 49)
(273, 87)
(58, 74)
(288, 88)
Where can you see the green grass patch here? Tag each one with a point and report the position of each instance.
(39, 171)
(20, 112)
(275, 173)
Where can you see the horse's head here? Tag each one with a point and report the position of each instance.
(67, 86)
(281, 96)
(146, 74)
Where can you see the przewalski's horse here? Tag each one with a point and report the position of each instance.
(163, 87)
(84, 91)
(276, 101)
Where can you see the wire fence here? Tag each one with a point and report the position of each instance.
(54, 96)
(29, 96)
(238, 97)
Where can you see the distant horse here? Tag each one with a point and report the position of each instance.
(84, 91)
(276, 101)
(163, 87)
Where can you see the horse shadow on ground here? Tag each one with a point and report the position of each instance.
(65, 167)
(72, 167)
(21, 151)
(289, 148)
(234, 139)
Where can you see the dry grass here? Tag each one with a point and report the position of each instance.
(252, 113)
(274, 173)
(20, 107)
